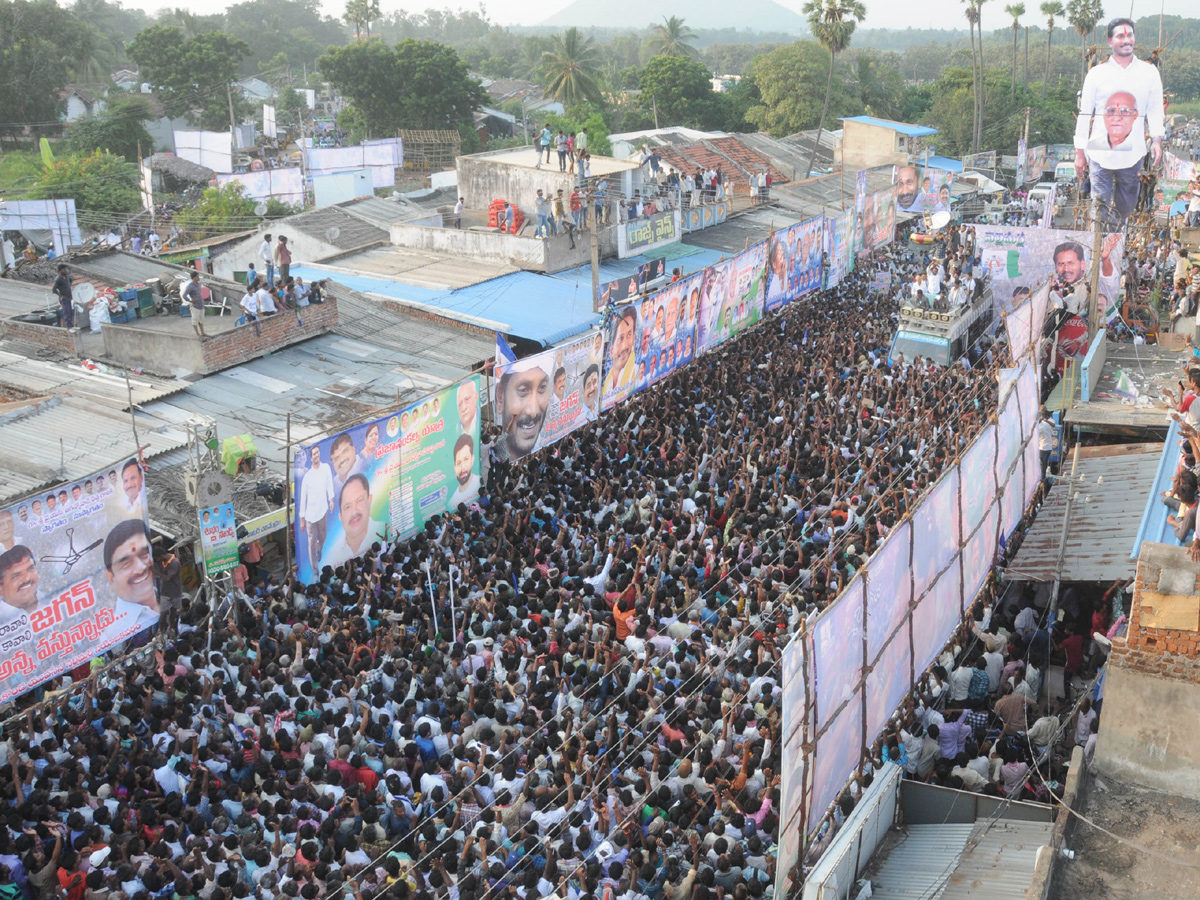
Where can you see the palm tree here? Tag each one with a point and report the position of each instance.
(972, 14)
(1084, 14)
(1049, 10)
(574, 64)
(878, 87)
(1016, 10)
(672, 38)
(832, 23)
(360, 14)
(982, 80)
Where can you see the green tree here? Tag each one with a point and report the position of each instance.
(672, 38)
(1016, 10)
(118, 129)
(784, 110)
(879, 86)
(680, 89)
(193, 76)
(573, 65)
(1050, 10)
(379, 81)
(360, 14)
(297, 29)
(97, 182)
(220, 211)
(1083, 16)
(832, 23)
(38, 42)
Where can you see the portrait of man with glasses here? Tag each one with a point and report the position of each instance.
(1121, 104)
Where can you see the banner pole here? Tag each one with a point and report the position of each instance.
(287, 486)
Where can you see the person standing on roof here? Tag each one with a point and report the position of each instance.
(283, 259)
(267, 255)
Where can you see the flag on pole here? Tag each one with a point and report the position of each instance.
(504, 353)
(1124, 387)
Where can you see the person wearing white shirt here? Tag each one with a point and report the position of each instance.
(249, 305)
(359, 530)
(266, 303)
(1120, 105)
(316, 502)
(267, 255)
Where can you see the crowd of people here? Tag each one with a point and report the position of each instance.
(590, 710)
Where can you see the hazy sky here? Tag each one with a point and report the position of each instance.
(933, 13)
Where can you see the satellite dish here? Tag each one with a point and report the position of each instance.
(85, 293)
(332, 232)
(940, 219)
(261, 209)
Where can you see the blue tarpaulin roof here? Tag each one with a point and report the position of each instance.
(910, 130)
(526, 304)
(946, 163)
(542, 308)
(1154, 525)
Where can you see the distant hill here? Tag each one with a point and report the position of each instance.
(756, 15)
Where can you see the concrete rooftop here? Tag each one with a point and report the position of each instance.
(527, 158)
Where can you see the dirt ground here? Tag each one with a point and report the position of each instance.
(1107, 868)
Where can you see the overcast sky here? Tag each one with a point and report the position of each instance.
(933, 13)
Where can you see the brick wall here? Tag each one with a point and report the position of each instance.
(1164, 619)
(232, 348)
(48, 336)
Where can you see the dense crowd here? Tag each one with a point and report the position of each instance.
(590, 710)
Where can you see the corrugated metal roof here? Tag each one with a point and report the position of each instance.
(41, 377)
(745, 229)
(384, 212)
(319, 223)
(65, 438)
(960, 861)
(913, 867)
(1104, 519)
(999, 864)
(416, 268)
(119, 267)
(20, 297)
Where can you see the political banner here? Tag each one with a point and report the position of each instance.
(876, 227)
(1022, 162)
(385, 478)
(258, 528)
(1008, 162)
(542, 398)
(621, 289)
(839, 230)
(649, 233)
(440, 458)
(76, 576)
(667, 330)
(794, 263)
(922, 190)
(1176, 168)
(732, 300)
(218, 539)
(985, 160)
(1020, 259)
(1167, 193)
(1035, 163)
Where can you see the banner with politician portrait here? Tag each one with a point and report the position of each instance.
(1035, 163)
(76, 576)
(384, 478)
(794, 262)
(922, 189)
(876, 227)
(1019, 259)
(733, 302)
(343, 488)
(542, 398)
(218, 539)
(839, 230)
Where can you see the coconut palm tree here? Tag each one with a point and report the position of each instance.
(672, 38)
(1016, 10)
(879, 87)
(982, 80)
(1049, 10)
(972, 14)
(574, 65)
(1084, 14)
(832, 23)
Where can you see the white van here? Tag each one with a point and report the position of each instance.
(1064, 173)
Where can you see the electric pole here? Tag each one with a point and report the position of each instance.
(594, 248)
(1094, 310)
